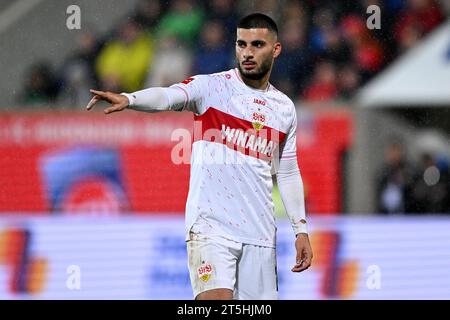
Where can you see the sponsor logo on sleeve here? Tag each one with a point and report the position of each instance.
(188, 80)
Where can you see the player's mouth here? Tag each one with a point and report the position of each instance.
(249, 65)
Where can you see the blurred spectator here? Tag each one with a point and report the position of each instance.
(366, 50)
(334, 48)
(269, 7)
(424, 15)
(172, 62)
(294, 10)
(40, 86)
(409, 36)
(446, 7)
(327, 42)
(311, 31)
(148, 13)
(323, 86)
(431, 186)
(348, 81)
(212, 54)
(78, 72)
(184, 20)
(225, 12)
(442, 164)
(123, 63)
(294, 63)
(322, 21)
(395, 182)
(390, 10)
(393, 5)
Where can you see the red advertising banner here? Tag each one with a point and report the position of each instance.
(75, 162)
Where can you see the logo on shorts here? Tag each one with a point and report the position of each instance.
(204, 272)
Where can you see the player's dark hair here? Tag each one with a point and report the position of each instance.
(258, 20)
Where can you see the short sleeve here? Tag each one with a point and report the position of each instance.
(194, 90)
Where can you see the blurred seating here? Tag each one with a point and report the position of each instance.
(328, 51)
(123, 63)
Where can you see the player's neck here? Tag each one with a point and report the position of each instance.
(260, 84)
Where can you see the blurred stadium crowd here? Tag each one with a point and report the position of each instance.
(404, 186)
(328, 51)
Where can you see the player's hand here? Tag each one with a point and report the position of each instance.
(304, 253)
(118, 101)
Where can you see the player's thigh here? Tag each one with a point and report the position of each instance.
(257, 274)
(212, 265)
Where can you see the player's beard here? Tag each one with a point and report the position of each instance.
(256, 74)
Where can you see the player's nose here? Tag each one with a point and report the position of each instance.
(248, 54)
(248, 58)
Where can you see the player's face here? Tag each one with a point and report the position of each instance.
(256, 50)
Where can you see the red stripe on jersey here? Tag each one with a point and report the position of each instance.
(237, 134)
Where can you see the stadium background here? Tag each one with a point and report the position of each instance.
(98, 199)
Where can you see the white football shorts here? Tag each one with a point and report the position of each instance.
(248, 270)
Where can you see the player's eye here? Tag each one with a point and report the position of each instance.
(258, 44)
(241, 44)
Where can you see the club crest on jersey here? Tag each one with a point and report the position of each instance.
(204, 272)
(258, 120)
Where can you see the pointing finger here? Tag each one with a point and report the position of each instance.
(107, 96)
(98, 92)
(92, 102)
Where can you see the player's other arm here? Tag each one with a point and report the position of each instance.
(290, 184)
(148, 100)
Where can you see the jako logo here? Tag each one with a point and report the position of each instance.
(27, 273)
(261, 102)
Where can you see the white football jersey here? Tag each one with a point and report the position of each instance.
(239, 134)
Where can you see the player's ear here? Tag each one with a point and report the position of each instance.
(276, 49)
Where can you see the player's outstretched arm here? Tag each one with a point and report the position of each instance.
(118, 102)
(154, 99)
